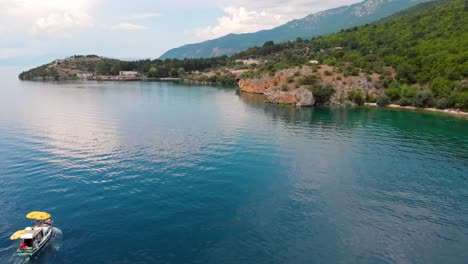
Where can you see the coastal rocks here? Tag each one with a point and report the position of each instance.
(304, 97)
(281, 87)
(258, 85)
(299, 97)
(358, 83)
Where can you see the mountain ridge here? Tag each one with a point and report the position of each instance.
(314, 25)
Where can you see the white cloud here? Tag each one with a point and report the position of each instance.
(141, 16)
(289, 8)
(46, 17)
(128, 26)
(245, 16)
(60, 24)
(241, 20)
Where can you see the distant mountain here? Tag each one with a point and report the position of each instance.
(319, 24)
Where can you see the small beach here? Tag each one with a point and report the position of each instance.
(454, 112)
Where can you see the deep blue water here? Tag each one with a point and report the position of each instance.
(147, 172)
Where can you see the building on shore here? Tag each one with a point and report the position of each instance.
(84, 75)
(128, 73)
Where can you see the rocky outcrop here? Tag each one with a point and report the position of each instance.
(258, 85)
(359, 83)
(300, 97)
(288, 80)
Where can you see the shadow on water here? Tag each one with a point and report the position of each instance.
(46, 255)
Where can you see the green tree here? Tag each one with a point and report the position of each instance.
(173, 73)
(356, 96)
(441, 87)
(383, 100)
(153, 72)
(393, 92)
(181, 72)
(423, 99)
(442, 103)
(463, 101)
(115, 69)
(405, 101)
(405, 74)
(100, 68)
(268, 44)
(408, 92)
(322, 94)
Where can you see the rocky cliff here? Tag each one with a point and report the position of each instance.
(287, 87)
(300, 97)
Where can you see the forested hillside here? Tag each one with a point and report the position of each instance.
(427, 45)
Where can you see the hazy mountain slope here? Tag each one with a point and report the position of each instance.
(314, 25)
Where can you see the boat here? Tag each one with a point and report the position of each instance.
(34, 238)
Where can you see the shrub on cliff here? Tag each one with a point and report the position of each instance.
(383, 100)
(405, 74)
(393, 92)
(463, 101)
(408, 92)
(356, 96)
(423, 99)
(441, 87)
(322, 94)
(405, 102)
(442, 104)
(308, 80)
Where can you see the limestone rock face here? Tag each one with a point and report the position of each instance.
(258, 85)
(289, 79)
(304, 97)
(300, 97)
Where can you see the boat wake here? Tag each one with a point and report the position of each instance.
(46, 255)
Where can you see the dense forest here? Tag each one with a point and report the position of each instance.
(421, 54)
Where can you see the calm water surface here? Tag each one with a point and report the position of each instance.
(146, 172)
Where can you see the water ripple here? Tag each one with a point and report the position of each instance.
(153, 172)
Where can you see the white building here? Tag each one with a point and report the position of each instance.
(84, 75)
(315, 62)
(249, 61)
(128, 73)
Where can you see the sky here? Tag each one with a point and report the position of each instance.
(38, 31)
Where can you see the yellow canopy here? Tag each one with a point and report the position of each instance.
(18, 234)
(38, 215)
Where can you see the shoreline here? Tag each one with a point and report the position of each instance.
(452, 112)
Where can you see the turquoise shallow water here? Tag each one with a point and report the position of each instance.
(145, 172)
